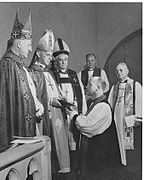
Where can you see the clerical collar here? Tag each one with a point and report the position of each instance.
(91, 69)
(92, 102)
(15, 57)
(63, 71)
(125, 81)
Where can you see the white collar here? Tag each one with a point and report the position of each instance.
(91, 69)
(125, 80)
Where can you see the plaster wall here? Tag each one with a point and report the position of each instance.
(86, 27)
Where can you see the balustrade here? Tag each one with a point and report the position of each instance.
(29, 161)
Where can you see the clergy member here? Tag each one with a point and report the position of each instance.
(72, 89)
(126, 100)
(19, 105)
(49, 94)
(99, 146)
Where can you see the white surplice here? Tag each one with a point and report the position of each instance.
(120, 110)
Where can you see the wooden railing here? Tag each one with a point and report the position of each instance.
(27, 161)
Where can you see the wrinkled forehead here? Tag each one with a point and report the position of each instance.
(47, 52)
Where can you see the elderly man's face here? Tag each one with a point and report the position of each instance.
(62, 61)
(91, 61)
(24, 47)
(122, 72)
(45, 57)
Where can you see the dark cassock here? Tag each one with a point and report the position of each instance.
(87, 74)
(99, 145)
(53, 121)
(17, 107)
(72, 89)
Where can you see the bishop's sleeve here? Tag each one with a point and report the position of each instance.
(138, 100)
(104, 76)
(96, 122)
(110, 97)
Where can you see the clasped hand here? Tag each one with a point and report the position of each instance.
(39, 112)
(55, 102)
(71, 110)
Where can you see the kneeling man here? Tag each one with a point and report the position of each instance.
(99, 146)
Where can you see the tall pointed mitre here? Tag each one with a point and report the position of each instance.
(46, 42)
(17, 28)
(60, 47)
(27, 29)
(21, 32)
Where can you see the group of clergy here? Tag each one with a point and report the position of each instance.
(68, 107)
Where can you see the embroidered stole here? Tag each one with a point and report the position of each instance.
(129, 106)
(73, 79)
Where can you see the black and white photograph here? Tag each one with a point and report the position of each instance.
(71, 90)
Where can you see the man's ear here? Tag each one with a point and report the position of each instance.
(38, 54)
(18, 44)
(56, 61)
(127, 71)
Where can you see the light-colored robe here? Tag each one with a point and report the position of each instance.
(96, 122)
(122, 101)
(53, 124)
(63, 155)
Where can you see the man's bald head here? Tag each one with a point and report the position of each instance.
(96, 86)
(122, 71)
(99, 82)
